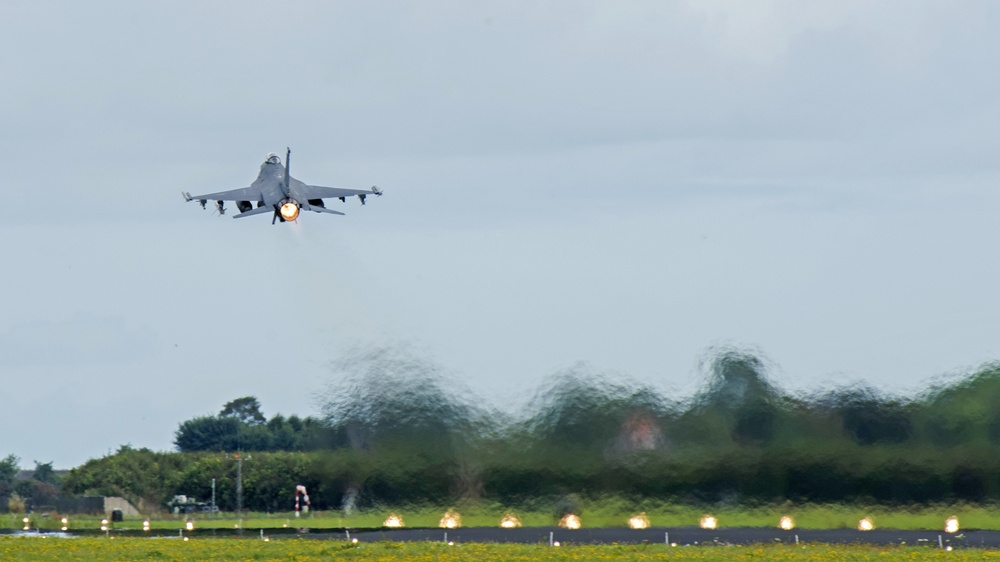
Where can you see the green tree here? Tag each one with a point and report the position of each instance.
(283, 434)
(394, 400)
(232, 433)
(245, 409)
(209, 433)
(8, 472)
(870, 418)
(44, 472)
(739, 393)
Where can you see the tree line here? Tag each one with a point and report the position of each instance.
(396, 429)
(17, 494)
(241, 426)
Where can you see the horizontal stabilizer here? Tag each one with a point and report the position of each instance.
(257, 211)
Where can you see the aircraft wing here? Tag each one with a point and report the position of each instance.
(242, 194)
(319, 192)
(324, 210)
(257, 211)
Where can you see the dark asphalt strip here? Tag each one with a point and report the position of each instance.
(681, 536)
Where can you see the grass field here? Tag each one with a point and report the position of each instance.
(598, 514)
(96, 550)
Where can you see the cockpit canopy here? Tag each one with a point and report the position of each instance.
(273, 158)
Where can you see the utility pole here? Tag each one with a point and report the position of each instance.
(213, 496)
(239, 485)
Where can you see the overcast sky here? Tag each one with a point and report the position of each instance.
(623, 184)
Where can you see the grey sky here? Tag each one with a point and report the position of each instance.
(623, 184)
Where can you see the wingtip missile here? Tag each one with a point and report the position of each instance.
(376, 190)
(188, 198)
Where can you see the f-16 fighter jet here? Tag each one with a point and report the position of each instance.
(276, 192)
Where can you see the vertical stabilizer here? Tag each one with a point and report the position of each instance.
(288, 157)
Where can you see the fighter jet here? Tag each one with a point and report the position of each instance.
(276, 192)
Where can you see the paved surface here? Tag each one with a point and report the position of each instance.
(678, 535)
(681, 536)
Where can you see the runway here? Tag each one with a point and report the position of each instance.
(675, 536)
(680, 536)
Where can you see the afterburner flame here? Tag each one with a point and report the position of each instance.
(951, 525)
(450, 520)
(866, 524)
(393, 520)
(638, 521)
(289, 211)
(510, 521)
(570, 521)
(786, 523)
(708, 522)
